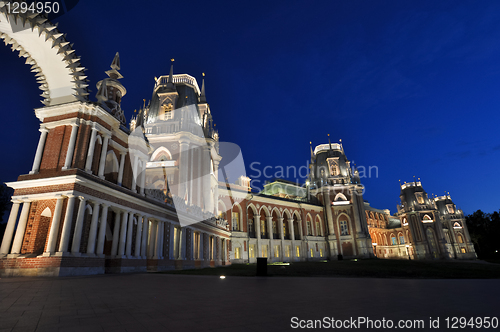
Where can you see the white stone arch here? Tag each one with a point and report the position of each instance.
(266, 211)
(237, 207)
(254, 209)
(426, 217)
(98, 139)
(309, 218)
(278, 213)
(318, 218)
(159, 151)
(349, 226)
(111, 165)
(222, 212)
(46, 213)
(88, 208)
(60, 74)
(340, 197)
(287, 213)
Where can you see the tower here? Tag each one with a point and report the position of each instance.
(334, 184)
(420, 218)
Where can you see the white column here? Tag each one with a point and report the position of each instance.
(54, 227)
(270, 251)
(134, 174)
(122, 164)
(102, 230)
(143, 177)
(93, 229)
(39, 150)
(90, 154)
(21, 227)
(116, 235)
(159, 235)
(138, 237)
(183, 168)
(144, 242)
(71, 146)
(152, 239)
(77, 235)
(129, 234)
(104, 151)
(157, 240)
(9, 230)
(206, 188)
(68, 219)
(123, 235)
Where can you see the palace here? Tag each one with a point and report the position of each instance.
(104, 196)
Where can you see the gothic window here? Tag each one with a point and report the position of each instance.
(318, 228)
(237, 253)
(309, 232)
(344, 229)
(450, 208)
(275, 230)
(235, 220)
(420, 198)
(460, 239)
(393, 240)
(401, 239)
(463, 250)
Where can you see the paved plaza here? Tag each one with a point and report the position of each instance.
(162, 302)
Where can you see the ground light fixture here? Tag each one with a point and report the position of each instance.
(223, 277)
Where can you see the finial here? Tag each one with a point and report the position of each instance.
(116, 62)
(172, 59)
(135, 111)
(340, 140)
(144, 106)
(310, 143)
(203, 98)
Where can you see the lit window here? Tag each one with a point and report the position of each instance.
(344, 230)
(264, 251)
(297, 251)
(320, 252)
(237, 253)
(393, 240)
(463, 251)
(277, 251)
(319, 231)
(287, 251)
(311, 251)
(401, 239)
(251, 250)
(460, 239)
(235, 219)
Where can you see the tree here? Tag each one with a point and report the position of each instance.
(484, 230)
(5, 204)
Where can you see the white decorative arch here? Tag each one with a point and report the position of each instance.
(254, 209)
(46, 213)
(278, 213)
(159, 151)
(266, 210)
(111, 165)
(340, 197)
(89, 208)
(58, 69)
(287, 213)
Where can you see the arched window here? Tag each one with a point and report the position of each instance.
(319, 230)
(309, 231)
(344, 229)
(460, 238)
(393, 240)
(235, 220)
(401, 238)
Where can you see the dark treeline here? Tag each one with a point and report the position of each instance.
(484, 230)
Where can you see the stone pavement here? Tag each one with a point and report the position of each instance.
(161, 302)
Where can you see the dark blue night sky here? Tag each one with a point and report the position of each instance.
(411, 87)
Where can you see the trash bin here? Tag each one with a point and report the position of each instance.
(261, 266)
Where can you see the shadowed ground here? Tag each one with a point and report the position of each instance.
(163, 302)
(377, 268)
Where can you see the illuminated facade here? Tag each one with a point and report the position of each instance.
(104, 197)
